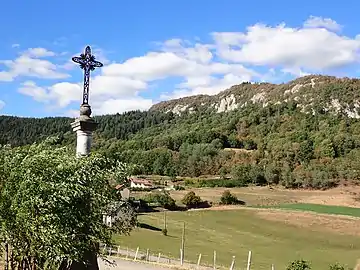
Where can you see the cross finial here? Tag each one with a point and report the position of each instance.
(87, 63)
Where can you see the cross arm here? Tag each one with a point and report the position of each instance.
(96, 64)
(78, 60)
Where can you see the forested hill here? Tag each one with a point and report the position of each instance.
(301, 134)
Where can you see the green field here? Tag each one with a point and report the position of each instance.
(235, 232)
(319, 208)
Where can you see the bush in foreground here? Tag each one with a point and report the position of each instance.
(299, 265)
(338, 266)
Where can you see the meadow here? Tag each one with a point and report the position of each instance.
(320, 209)
(274, 236)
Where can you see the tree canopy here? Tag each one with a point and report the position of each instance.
(52, 205)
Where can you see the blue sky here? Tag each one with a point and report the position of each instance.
(158, 50)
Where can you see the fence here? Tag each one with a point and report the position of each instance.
(145, 255)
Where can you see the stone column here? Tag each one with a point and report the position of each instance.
(84, 127)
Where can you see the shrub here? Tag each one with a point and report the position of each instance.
(177, 187)
(189, 182)
(162, 199)
(299, 265)
(164, 232)
(229, 199)
(227, 183)
(191, 200)
(338, 266)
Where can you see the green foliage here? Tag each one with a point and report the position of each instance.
(177, 187)
(299, 265)
(164, 232)
(276, 144)
(191, 200)
(162, 199)
(227, 198)
(228, 183)
(322, 209)
(52, 204)
(248, 174)
(338, 266)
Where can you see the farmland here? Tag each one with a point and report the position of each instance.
(281, 226)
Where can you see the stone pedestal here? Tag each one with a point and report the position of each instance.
(84, 127)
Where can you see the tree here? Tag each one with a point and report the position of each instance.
(223, 172)
(299, 265)
(227, 198)
(191, 200)
(52, 206)
(163, 199)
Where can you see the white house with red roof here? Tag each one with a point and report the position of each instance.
(140, 183)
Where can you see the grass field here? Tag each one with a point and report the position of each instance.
(321, 209)
(235, 232)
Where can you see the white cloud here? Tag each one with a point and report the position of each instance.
(206, 85)
(59, 94)
(30, 88)
(231, 58)
(39, 52)
(28, 64)
(112, 106)
(2, 104)
(281, 46)
(15, 45)
(320, 22)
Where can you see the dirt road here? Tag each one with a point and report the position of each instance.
(128, 265)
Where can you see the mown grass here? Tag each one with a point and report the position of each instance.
(235, 233)
(319, 208)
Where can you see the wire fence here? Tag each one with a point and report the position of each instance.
(146, 255)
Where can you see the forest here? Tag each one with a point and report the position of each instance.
(276, 144)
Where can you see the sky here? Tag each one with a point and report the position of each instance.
(159, 50)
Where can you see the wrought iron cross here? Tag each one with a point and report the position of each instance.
(87, 63)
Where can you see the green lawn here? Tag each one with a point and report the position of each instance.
(235, 233)
(321, 209)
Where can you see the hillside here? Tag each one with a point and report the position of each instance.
(309, 93)
(301, 134)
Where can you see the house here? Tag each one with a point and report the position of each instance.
(112, 212)
(140, 183)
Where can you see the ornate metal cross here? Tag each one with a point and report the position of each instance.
(87, 63)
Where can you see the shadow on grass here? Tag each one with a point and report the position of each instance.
(149, 227)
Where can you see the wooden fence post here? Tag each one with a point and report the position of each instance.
(198, 263)
(272, 267)
(249, 261)
(181, 257)
(232, 263)
(136, 253)
(182, 245)
(127, 252)
(147, 255)
(214, 260)
(159, 256)
(118, 251)
(6, 256)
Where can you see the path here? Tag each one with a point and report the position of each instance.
(128, 265)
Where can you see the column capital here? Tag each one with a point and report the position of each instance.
(84, 124)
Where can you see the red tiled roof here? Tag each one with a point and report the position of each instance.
(141, 181)
(119, 186)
